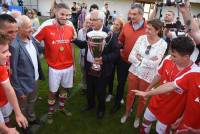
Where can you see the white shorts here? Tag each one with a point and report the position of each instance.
(63, 77)
(5, 111)
(160, 127)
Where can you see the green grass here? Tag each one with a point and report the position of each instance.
(81, 122)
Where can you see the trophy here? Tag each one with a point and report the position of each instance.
(96, 44)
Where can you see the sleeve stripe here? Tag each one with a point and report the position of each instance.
(194, 68)
(44, 24)
(5, 81)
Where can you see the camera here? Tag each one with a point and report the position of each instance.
(161, 3)
(177, 27)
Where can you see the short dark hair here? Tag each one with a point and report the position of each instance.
(139, 7)
(6, 18)
(5, 5)
(183, 45)
(3, 39)
(93, 6)
(62, 5)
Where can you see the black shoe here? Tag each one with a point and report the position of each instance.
(26, 131)
(88, 108)
(115, 108)
(100, 115)
(83, 91)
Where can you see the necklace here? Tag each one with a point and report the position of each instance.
(61, 38)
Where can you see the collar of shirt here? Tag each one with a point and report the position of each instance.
(136, 26)
(99, 29)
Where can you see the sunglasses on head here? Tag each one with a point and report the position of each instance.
(148, 50)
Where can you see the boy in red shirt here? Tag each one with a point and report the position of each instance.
(8, 89)
(161, 107)
(189, 83)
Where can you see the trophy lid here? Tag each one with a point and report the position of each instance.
(97, 34)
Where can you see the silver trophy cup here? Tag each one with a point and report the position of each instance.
(96, 44)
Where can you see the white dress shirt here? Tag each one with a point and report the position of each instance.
(33, 54)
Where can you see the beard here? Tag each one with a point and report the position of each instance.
(60, 22)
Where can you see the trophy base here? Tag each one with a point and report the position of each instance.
(95, 73)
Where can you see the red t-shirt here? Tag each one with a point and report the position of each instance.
(169, 106)
(58, 48)
(190, 83)
(3, 78)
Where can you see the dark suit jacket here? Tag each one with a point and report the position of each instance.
(109, 55)
(22, 69)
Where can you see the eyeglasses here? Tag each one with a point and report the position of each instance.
(148, 50)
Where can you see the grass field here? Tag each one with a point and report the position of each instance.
(80, 122)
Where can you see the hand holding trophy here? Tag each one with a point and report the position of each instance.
(96, 44)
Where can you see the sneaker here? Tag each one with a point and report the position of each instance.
(136, 123)
(123, 119)
(49, 120)
(122, 101)
(108, 98)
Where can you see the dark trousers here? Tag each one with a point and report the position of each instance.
(111, 80)
(96, 85)
(122, 74)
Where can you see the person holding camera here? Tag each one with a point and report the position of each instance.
(192, 26)
(169, 17)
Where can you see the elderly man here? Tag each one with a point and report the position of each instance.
(110, 53)
(26, 69)
(8, 27)
(130, 32)
(57, 35)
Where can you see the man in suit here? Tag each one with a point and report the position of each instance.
(26, 69)
(109, 54)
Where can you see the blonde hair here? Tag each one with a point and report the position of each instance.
(121, 20)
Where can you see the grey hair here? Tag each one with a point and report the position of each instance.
(101, 15)
(22, 20)
(139, 7)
